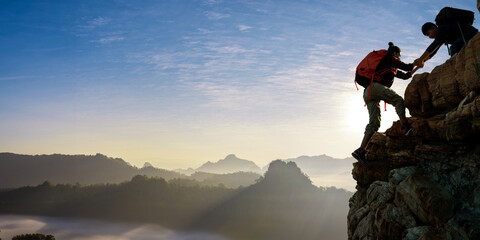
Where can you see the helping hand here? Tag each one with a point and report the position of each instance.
(419, 63)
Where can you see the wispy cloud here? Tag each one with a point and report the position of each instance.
(100, 30)
(15, 78)
(228, 49)
(433, 12)
(92, 23)
(243, 27)
(216, 15)
(109, 39)
(213, 1)
(99, 21)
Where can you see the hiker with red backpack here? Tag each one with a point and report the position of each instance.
(453, 26)
(376, 73)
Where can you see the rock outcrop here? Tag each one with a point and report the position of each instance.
(426, 185)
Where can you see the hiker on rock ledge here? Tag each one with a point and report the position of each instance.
(453, 26)
(377, 83)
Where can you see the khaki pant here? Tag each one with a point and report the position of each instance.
(380, 92)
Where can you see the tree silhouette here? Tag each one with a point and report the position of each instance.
(34, 236)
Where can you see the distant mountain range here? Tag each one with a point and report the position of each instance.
(26, 170)
(30, 170)
(323, 170)
(315, 165)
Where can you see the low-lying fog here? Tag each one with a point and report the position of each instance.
(343, 180)
(75, 229)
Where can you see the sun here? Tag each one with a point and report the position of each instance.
(356, 114)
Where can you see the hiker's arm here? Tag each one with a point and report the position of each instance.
(401, 65)
(422, 59)
(430, 52)
(403, 75)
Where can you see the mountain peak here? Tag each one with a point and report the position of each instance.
(229, 164)
(284, 175)
(147, 164)
(231, 157)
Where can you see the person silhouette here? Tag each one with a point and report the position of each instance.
(458, 34)
(379, 89)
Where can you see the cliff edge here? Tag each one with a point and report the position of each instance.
(426, 185)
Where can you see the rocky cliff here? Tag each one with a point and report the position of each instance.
(426, 185)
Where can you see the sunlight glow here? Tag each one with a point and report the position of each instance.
(179, 83)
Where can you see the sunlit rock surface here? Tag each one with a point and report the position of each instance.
(426, 185)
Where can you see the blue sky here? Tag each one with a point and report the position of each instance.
(178, 83)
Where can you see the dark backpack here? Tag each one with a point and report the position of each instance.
(454, 15)
(367, 67)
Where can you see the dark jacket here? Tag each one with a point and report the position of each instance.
(387, 70)
(449, 34)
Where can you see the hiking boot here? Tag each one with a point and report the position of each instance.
(406, 128)
(359, 154)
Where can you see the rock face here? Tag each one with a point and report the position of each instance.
(426, 185)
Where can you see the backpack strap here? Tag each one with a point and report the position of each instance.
(370, 87)
(461, 32)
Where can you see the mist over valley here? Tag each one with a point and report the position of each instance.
(264, 208)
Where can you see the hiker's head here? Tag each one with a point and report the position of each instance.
(393, 50)
(429, 29)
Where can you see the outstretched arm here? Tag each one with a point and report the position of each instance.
(415, 69)
(419, 62)
(395, 62)
(403, 75)
(431, 50)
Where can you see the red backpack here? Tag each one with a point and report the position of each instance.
(366, 68)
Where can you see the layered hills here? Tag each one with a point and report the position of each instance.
(18, 170)
(283, 204)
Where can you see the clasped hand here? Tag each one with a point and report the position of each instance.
(419, 63)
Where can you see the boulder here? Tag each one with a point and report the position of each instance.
(443, 87)
(425, 198)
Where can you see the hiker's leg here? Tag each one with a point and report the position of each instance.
(365, 140)
(469, 35)
(456, 46)
(460, 42)
(374, 117)
(391, 97)
(398, 103)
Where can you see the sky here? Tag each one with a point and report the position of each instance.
(178, 83)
